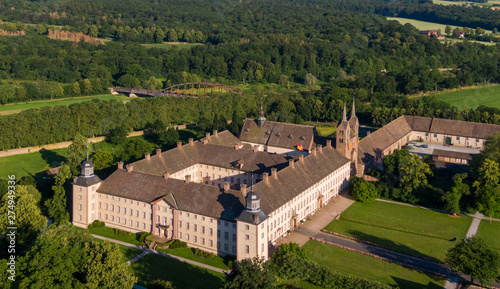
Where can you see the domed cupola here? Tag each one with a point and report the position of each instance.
(87, 168)
(252, 202)
(261, 119)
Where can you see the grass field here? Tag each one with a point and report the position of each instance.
(182, 275)
(187, 253)
(17, 107)
(355, 264)
(108, 233)
(472, 98)
(34, 164)
(490, 233)
(424, 25)
(406, 229)
(326, 130)
(169, 45)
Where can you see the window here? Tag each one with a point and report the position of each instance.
(203, 218)
(218, 245)
(99, 215)
(247, 227)
(477, 140)
(211, 231)
(124, 221)
(180, 224)
(234, 226)
(226, 235)
(262, 247)
(118, 209)
(196, 228)
(113, 208)
(226, 247)
(125, 210)
(247, 249)
(93, 216)
(157, 218)
(144, 225)
(106, 206)
(79, 217)
(262, 236)
(234, 237)
(180, 235)
(137, 213)
(247, 237)
(187, 226)
(137, 224)
(203, 229)
(187, 237)
(131, 212)
(164, 220)
(210, 243)
(130, 223)
(106, 216)
(80, 197)
(99, 205)
(80, 207)
(234, 250)
(144, 215)
(435, 135)
(218, 233)
(195, 239)
(458, 138)
(203, 241)
(118, 219)
(112, 218)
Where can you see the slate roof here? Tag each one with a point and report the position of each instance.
(452, 154)
(278, 134)
(177, 159)
(87, 181)
(223, 138)
(190, 197)
(290, 182)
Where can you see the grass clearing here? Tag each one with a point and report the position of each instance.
(109, 233)
(326, 130)
(359, 265)
(18, 107)
(182, 275)
(472, 98)
(34, 164)
(406, 229)
(490, 233)
(188, 253)
(128, 253)
(424, 25)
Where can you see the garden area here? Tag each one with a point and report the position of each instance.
(359, 265)
(409, 230)
(490, 233)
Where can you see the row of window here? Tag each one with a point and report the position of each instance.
(124, 221)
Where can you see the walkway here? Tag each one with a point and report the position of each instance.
(161, 254)
(477, 217)
(144, 253)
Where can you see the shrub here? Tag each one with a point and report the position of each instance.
(141, 236)
(203, 254)
(160, 284)
(177, 244)
(96, 224)
(119, 232)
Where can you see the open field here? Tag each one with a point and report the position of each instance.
(34, 164)
(472, 98)
(168, 45)
(359, 265)
(443, 2)
(424, 25)
(405, 229)
(490, 233)
(182, 275)
(17, 107)
(326, 130)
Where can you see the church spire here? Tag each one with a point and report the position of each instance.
(353, 112)
(261, 119)
(261, 112)
(344, 117)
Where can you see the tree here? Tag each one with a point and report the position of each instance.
(102, 160)
(56, 205)
(488, 188)
(160, 284)
(64, 257)
(452, 197)
(77, 152)
(473, 257)
(29, 219)
(310, 79)
(86, 87)
(135, 149)
(251, 274)
(448, 29)
(362, 191)
(118, 135)
(75, 89)
(413, 174)
(154, 83)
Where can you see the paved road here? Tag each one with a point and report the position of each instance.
(162, 254)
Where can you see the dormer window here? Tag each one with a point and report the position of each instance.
(290, 136)
(247, 130)
(278, 134)
(302, 138)
(268, 133)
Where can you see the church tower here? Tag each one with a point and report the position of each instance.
(85, 197)
(348, 136)
(261, 119)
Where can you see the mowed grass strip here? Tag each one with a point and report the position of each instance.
(188, 253)
(472, 98)
(182, 275)
(34, 164)
(490, 233)
(359, 265)
(17, 107)
(405, 229)
(109, 233)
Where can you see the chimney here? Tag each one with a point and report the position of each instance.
(205, 141)
(120, 165)
(207, 135)
(215, 132)
(187, 179)
(147, 156)
(166, 175)
(265, 177)
(226, 186)
(301, 158)
(74, 179)
(237, 147)
(179, 144)
(243, 189)
(191, 141)
(158, 152)
(329, 143)
(313, 151)
(255, 149)
(368, 133)
(274, 172)
(130, 168)
(291, 163)
(320, 148)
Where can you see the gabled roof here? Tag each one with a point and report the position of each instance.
(290, 182)
(190, 197)
(278, 134)
(177, 159)
(223, 138)
(452, 127)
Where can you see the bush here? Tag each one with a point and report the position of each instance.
(119, 232)
(202, 254)
(160, 284)
(177, 244)
(141, 236)
(96, 224)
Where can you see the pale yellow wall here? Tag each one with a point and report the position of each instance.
(84, 205)
(120, 212)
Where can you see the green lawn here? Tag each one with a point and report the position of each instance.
(34, 164)
(167, 45)
(181, 274)
(424, 25)
(187, 253)
(359, 265)
(108, 232)
(326, 130)
(406, 229)
(472, 98)
(490, 233)
(128, 253)
(17, 107)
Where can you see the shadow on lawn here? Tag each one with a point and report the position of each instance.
(412, 285)
(389, 244)
(182, 275)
